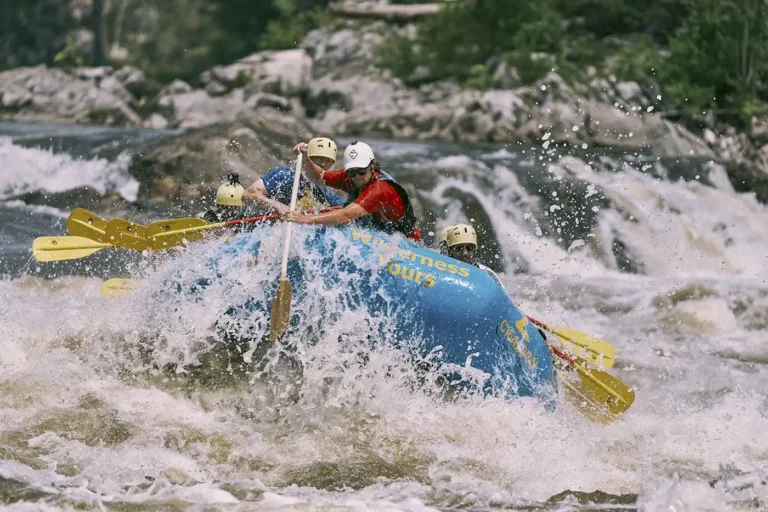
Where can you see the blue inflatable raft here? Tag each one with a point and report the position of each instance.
(457, 314)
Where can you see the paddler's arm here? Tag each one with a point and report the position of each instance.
(311, 170)
(257, 193)
(334, 218)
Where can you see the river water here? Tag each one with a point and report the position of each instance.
(660, 257)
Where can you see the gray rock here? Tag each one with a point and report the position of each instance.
(215, 88)
(269, 100)
(609, 125)
(347, 51)
(196, 109)
(176, 87)
(758, 128)
(115, 87)
(631, 93)
(710, 137)
(156, 122)
(285, 72)
(188, 169)
(50, 94)
(136, 82)
(93, 73)
(506, 77)
(14, 99)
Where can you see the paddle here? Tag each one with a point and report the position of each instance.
(119, 232)
(118, 287)
(127, 234)
(57, 248)
(595, 351)
(583, 402)
(603, 387)
(83, 223)
(173, 233)
(281, 304)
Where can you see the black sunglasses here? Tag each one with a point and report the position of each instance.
(351, 173)
(459, 248)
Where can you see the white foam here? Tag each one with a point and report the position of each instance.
(682, 228)
(36, 209)
(515, 230)
(33, 169)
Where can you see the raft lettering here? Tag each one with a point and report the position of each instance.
(409, 255)
(408, 274)
(509, 333)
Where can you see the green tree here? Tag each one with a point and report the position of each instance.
(602, 18)
(33, 31)
(467, 33)
(717, 58)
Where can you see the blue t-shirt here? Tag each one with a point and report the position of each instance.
(279, 185)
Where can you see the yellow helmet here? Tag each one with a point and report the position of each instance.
(230, 194)
(460, 234)
(322, 146)
(443, 239)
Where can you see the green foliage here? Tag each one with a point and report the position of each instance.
(530, 66)
(68, 57)
(181, 38)
(471, 32)
(289, 30)
(478, 78)
(33, 31)
(638, 60)
(604, 18)
(467, 33)
(717, 58)
(399, 54)
(707, 54)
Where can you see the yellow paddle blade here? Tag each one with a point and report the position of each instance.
(56, 248)
(83, 223)
(584, 402)
(281, 310)
(606, 389)
(118, 287)
(172, 233)
(127, 234)
(591, 349)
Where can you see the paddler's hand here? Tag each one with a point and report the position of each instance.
(296, 217)
(281, 209)
(301, 147)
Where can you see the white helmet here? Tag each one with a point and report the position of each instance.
(358, 155)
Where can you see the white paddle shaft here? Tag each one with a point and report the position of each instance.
(289, 225)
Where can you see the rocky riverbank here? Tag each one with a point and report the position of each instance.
(331, 84)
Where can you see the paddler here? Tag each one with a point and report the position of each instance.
(460, 243)
(374, 198)
(229, 201)
(273, 190)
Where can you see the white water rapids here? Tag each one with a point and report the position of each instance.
(89, 419)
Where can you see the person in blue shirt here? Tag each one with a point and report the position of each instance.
(273, 190)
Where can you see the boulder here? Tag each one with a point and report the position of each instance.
(284, 72)
(631, 93)
(189, 168)
(196, 109)
(136, 82)
(53, 95)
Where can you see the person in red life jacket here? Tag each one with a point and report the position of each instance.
(374, 198)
